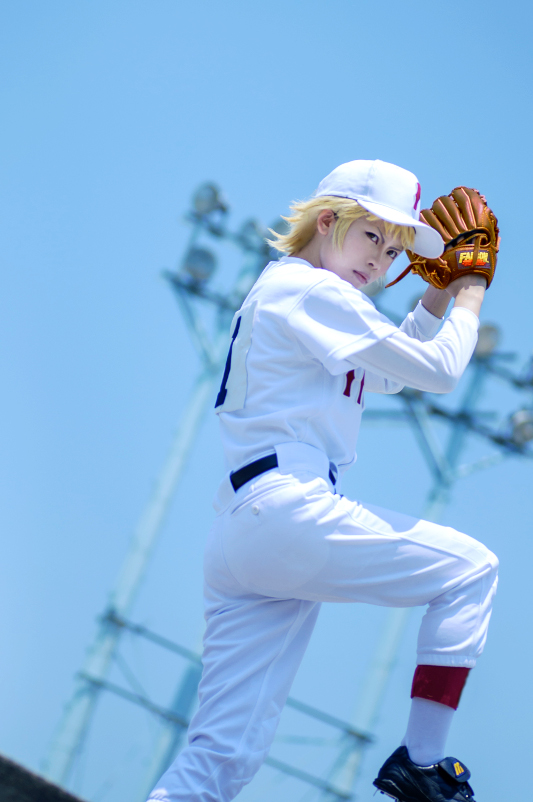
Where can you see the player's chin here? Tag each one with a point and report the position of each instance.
(357, 280)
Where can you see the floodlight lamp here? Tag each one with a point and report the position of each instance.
(199, 264)
(252, 233)
(528, 372)
(522, 426)
(489, 336)
(207, 199)
(279, 226)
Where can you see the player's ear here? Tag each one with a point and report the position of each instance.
(325, 221)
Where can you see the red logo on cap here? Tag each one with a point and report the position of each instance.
(417, 199)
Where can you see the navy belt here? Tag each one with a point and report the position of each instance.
(253, 469)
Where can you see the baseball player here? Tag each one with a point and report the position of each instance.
(305, 347)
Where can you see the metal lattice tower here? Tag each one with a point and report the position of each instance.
(191, 285)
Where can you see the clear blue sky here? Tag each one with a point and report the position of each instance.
(113, 112)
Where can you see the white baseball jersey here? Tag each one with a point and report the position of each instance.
(304, 347)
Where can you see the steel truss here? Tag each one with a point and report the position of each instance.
(191, 285)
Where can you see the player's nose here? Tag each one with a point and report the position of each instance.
(380, 261)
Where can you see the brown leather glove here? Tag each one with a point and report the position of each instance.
(471, 238)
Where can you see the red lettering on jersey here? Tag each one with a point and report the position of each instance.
(361, 390)
(350, 376)
(417, 198)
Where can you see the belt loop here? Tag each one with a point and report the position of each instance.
(295, 456)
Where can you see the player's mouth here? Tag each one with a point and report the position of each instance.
(361, 276)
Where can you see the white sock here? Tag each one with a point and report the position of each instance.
(427, 731)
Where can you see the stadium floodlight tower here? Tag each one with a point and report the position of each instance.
(207, 313)
(191, 283)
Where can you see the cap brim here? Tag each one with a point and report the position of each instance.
(428, 242)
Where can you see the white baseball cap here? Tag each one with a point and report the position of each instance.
(389, 192)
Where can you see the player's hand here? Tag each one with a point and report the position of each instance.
(468, 291)
(436, 301)
(471, 280)
(469, 230)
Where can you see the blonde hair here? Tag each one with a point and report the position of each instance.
(302, 224)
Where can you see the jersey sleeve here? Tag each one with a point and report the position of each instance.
(421, 325)
(433, 366)
(334, 322)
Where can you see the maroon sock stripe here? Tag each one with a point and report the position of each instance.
(443, 684)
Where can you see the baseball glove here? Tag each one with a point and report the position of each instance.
(471, 238)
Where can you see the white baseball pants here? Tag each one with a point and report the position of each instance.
(279, 546)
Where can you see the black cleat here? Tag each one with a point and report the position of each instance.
(403, 780)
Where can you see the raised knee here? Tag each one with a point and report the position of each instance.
(481, 555)
(487, 560)
(478, 554)
(493, 560)
(488, 568)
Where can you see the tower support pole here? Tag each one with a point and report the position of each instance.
(76, 718)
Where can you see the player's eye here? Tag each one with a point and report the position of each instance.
(392, 254)
(372, 236)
